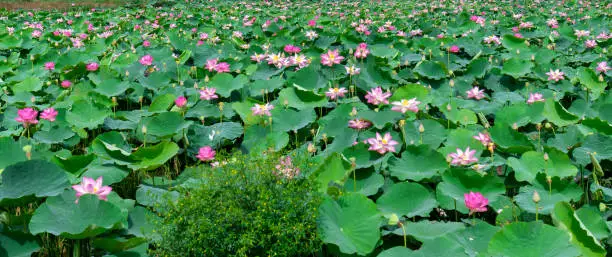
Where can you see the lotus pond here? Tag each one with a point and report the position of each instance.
(335, 128)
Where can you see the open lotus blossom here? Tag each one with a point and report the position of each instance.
(359, 124)
(146, 43)
(92, 66)
(48, 114)
(555, 75)
(591, 43)
(291, 49)
(335, 93)
(454, 49)
(552, 23)
(603, 36)
(180, 101)
(362, 51)
(27, 116)
(91, 186)
(463, 157)
(602, 67)
(581, 33)
(222, 67)
(311, 34)
(492, 39)
(382, 144)
(377, 96)
(406, 105)
(258, 57)
(535, 97)
(262, 109)
(211, 64)
(300, 60)
(146, 60)
(331, 57)
(208, 93)
(475, 202)
(49, 66)
(66, 84)
(484, 138)
(206, 153)
(352, 70)
(475, 93)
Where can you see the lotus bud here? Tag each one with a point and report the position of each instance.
(202, 119)
(533, 57)
(421, 128)
(393, 220)
(451, 83)
(127, 73)
(312, 132)
(351, 51)
(286, 103)
(518, 51)
(546, 157)
(353, 162)
(206, 79)
(221, 104)
(601, 78)
(324, 137)
(449, 107)
(514, 126)
(539, 126)
(114, 100)
(547, 125)
(48, 83)
(33, 99)
(311, 148)
(144, 129)
(28, 151)
(535, 197)
(602, 207)
(549, 180)
(527, 84)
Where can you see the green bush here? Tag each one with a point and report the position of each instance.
(246, 207)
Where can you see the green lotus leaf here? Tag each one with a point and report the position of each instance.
(84, 114)
(16, 244)
(477, 68)
(566, 219)
(111, 174)
(363, 157)
(521, 239)
(517, 67)
(559, 191)
(599, 145)
(589, 79)
(520, 114)
(142, 223)
(511, 42)
(301, 99)
(384, 51)
(457, 182)
(432, 70)
(532, 163)
(368, 182)
(509, 139)
(258, 87)
(406, 198)
(286, 119)
(258, 139)
(164, 125)
(427, 230)
(398, 251)
(10, 152)
(591, 217)
(151, 157)
(333, 169)
(417, 163)
(29, 84)
(474, 239)
(54, 135)
(433, 135)
(225, 83)
(557, 114)
(36, 177)
(61, 216)
(307, 79)
(117, 244)
(150, 195)
(214, 134)
(352, 223)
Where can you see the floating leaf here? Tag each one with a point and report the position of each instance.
(36, 177)
(565, 219)
(521, 239)
(409, 199)
(417, 163)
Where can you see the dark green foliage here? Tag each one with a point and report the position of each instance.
(242, 209)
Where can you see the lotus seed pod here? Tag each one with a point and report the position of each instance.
(547, 125)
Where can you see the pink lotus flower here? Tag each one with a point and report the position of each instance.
(206, 154)
(590, 43)
(359, 124)
(331, 57)
(299, 59)
(211, 64)
(335, 93)
(208, 93)
(382, 144)
(484, 138)
(376, 96)
(48, 114)
(406, 105)
(180, 101)
(49, 66)
(66, 84)
(602, 67)
(92, 66)
(552, 23)
(440, 36)
(475, 93)
(463, 157)
(146, 60)
(492, 39)
(258, 57)
(291, 49)
(518, 35)
(261, 109)
(454, 49)
(312, 23)
(146, 43)
(581, 33)
(362, 51)
(222, 67)
(36, 33)
(555, 75)
(27, 116)
(91, 186)
(537, 97)
(515, 29)
(352, 70)
(476, 202)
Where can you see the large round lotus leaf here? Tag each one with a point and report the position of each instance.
(432, 70)
(441, 246)
(410, 91)
(110, 173)
(427, 230)
(531, 239)
(214, 134)
(380, 118)
(36, 177)
(398, 251)
(164, 125)
(461, 138)
(516, 67)
(15, 244)
(336, 121)
(592, 219)
(363, 157)
(258, 139)
(433, 135)
(260, 86)
(142, 223)
(417, 163)
(557, 114)
(352, 223)
(162, 103)
(589, 79)
(409, 199)
(460, 116)
(520, 114)
(333, 169)
(567, 140)
(598, 144)
(30, 84)
(107, 83)
(225, 83)
(511, 42)
(150, 195)
(475, 238)
(151, 157)
(509, 139)
(532, 163)
(117, 244)
(86, 114)
(383, 50)
(368, 182)
(564, 217)
(372, 75)
(560, 190)
(457, 182)
(60, 215)
(307, 79)
(477, 68)
(10, 152)
(139, 251)
(246, 114)
(53, 135)
(300, 99)
(286, 119)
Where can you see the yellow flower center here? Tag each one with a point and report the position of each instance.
(384, 141)
(332, 56)
(96, 189)
(336, 90)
